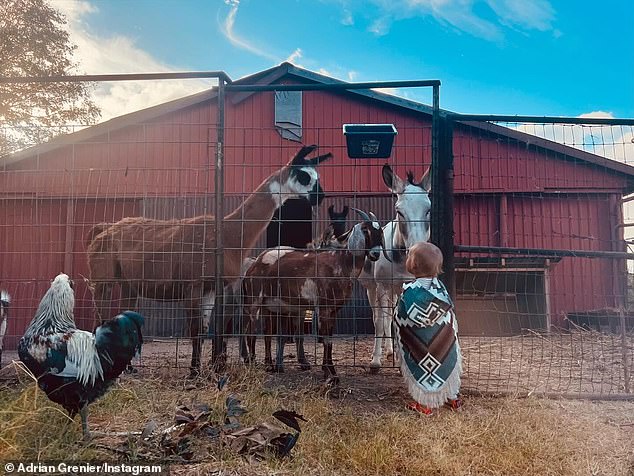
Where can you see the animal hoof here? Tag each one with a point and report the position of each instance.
(374, 369)
(303, 366)
(131, 370)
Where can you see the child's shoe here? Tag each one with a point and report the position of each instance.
(417, 407)
(454, 404)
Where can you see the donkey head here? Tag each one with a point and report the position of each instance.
(300, 178)
(413, 206)
(365, 238)
(338, 219)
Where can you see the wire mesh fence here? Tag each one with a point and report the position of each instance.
(531, 318)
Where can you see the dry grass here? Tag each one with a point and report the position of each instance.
(366, 431)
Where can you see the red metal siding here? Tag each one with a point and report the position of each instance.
(171, 157)
(569, 222)
(576, 222)
(35, 248)
(484, 164)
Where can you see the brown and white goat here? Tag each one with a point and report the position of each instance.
(283, 282)
(173, 259)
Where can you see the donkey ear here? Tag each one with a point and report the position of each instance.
(425, 181)
(393, 182)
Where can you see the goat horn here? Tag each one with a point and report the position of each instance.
(363, 214)
(373, 216)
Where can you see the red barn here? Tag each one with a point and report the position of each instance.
(511, 189)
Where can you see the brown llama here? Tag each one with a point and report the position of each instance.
(174, 259)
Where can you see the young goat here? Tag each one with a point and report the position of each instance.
(285, 281)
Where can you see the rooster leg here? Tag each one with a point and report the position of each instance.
(84, 422)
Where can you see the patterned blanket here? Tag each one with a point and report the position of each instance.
(426, 334)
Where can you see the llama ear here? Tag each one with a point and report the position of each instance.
(393, 182)
(425, 181)
(319, 159)
(300, 157)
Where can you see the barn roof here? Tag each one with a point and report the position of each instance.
(287, 71)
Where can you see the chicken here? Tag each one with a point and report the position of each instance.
(75, 367)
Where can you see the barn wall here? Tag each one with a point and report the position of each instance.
(172, 155)
(551, 221)
(41, 238)
(163, 167)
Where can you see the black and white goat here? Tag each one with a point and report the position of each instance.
(284, 282)
(5, 299)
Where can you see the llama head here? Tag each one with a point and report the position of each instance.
(365, 238)
(413, 206)
(299, 178)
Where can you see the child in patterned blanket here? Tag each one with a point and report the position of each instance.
(426, 334)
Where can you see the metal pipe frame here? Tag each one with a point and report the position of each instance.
(544, 252)
(336, 86)
(116, 77)
(540, 119)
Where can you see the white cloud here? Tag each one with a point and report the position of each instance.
(461, 15)
(533, 14)
(612, 142)
(347, 19)
(380, 26)
(119, 54)
(232, 36)
(294, 56)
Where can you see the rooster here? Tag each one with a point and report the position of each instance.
(75, 367)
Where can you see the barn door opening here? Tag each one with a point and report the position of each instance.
(291, 225)
(502, 297)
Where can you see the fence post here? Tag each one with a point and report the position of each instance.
(442, 207)
(217, 350)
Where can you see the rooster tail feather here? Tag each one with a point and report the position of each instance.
(118, 341)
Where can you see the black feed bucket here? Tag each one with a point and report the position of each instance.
(369, 141)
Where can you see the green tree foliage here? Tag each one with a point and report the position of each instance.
(34, 42)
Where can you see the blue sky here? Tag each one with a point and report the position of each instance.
(493, 56)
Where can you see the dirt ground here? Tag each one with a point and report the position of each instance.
(583, 364)
(543, 436)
